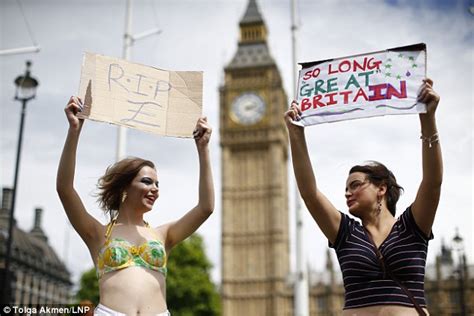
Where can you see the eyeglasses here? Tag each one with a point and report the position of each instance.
(356, 185)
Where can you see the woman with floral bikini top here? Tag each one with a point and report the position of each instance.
(130, 256)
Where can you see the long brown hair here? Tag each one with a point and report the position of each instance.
(116, 178)
(378, 174)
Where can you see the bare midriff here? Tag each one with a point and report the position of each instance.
(382, 310)
(134, 291)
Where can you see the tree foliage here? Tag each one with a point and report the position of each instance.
(189, 289)
(89, 289)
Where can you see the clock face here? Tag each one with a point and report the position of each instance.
(248, 109)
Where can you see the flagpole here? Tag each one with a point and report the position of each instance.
(127, 49)
(128, 40)
(301, 290)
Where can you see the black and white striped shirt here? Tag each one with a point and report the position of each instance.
(404, 250)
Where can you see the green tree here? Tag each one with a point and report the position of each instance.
(89, 289)
(189, 289)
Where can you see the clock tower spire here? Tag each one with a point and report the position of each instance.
(252, 49)
(252, 26)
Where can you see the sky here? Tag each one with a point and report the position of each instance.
(203, 35)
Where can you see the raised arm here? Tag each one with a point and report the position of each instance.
(86, 226)
(324, 213)
(190, 222)
(427, 198)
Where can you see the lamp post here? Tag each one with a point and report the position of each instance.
(459, 247)
(25, 91)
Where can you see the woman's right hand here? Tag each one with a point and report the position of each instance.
(73, 107)
(293, 114)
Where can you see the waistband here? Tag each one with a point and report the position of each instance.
(102, 310)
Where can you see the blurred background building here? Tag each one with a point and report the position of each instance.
(255, 218)
(37, 275)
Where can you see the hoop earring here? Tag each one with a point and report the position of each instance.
(124, 196)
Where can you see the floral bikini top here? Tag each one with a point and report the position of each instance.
(117, 253)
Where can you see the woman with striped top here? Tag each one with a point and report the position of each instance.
(382, 259)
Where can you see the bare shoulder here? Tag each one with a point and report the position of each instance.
(162, 230)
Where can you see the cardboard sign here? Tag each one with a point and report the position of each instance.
(146, 98)
(374, 84)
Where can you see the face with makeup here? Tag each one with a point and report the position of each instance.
(143, 191)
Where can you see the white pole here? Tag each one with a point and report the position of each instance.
(22, 50)
(146, 34)
(128, 40)
(301, 281)
(127, 49)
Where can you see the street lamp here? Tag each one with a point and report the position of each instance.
(25, 91)
(458, 245)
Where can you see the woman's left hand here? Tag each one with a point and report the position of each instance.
(428, 96)
(202, 132)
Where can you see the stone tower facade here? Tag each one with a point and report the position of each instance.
(254, 142)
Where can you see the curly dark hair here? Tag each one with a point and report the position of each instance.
(116, 178)
(378, 174)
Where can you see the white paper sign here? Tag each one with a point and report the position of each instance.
(373, 84)
(142, 97)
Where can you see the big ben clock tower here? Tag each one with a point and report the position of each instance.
(255, 239)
